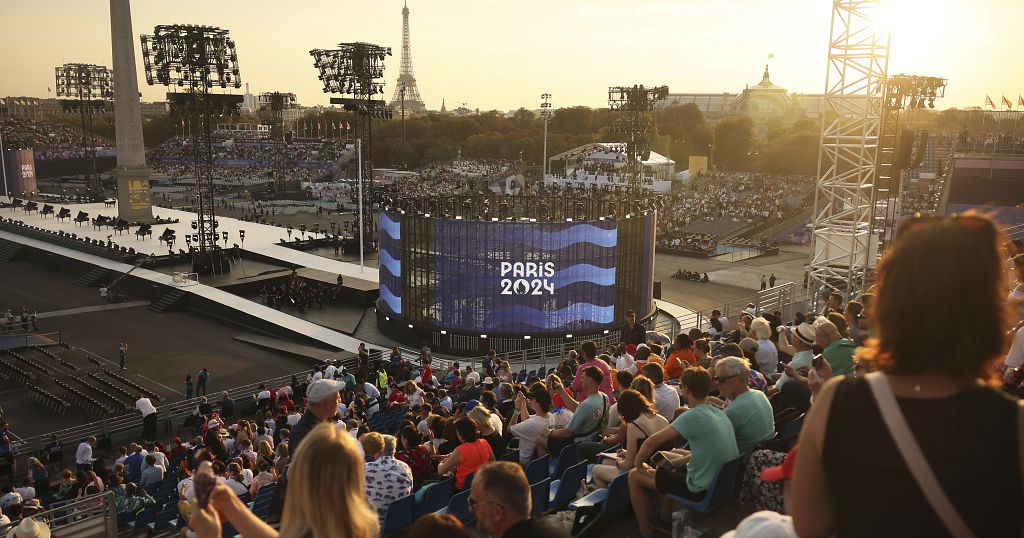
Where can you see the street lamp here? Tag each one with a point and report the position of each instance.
(224, 236)
(241, 236)
(333, 225)
(545, 114)
(290, 232)
(302, 228)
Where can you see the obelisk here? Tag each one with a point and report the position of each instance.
(133, 197)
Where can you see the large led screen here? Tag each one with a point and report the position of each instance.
(500, 277)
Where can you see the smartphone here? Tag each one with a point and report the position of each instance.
(816, 362)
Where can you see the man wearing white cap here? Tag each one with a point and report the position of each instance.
(323, 398)
(803, 339)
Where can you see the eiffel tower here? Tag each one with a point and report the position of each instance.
(406, 80)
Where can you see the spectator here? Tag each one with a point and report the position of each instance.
(470, 454)
(83, 456)
(528, 428)
(633, 333)
(471, 391)
(482, 418)
(500, 499)
(766, 355)
(434, 525)
(748, 410)
(681, 357)
(38, 476)
(415, 454)
(326, 498)
(589, 416)
(323, 398)
(712, 444)
(152, 475)
(940, 321)
(589, 351)
(387, 479)
(507, 405)
(134, 501)
(201, 379)
(838, 351)
(642, 420)
(28, 528)
(666, 397)
(226, 404)
(265, 477)
(234, 479)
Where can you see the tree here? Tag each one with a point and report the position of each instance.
(734, 142)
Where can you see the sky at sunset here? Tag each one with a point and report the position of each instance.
(503, 55)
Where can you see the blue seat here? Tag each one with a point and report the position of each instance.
(244, 497)
(124, 520)
(566, 459)
(537, 469)
(228, 531)
(458, 507)
(613, 501)
(145, 517)
(792, 428)
(722, 488)
(434, 496)
(564, 490)
(399, 515)
(539, 497)
(510, 456)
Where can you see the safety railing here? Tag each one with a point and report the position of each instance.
(94, 516)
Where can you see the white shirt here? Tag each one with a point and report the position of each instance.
(767, 357)
(475, 376)
(528, 431)
(666, 399)
(84, 454)
(626, 362)
(329, 371)
(318, 376)
(236, 486)
(293, 419)
(371, 391)
(416, 398)
(186, 490)
(446, 403)
(725, 323)
(424, 428)
(145, 406)
(263, 395)
(495, 422)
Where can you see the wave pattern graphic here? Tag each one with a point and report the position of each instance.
(394, 303)
(539, 319)
(393, 266)
(584, 272)
(390, 227)
(580, 233)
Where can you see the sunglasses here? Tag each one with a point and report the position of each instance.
(723, 378)
(473, 503)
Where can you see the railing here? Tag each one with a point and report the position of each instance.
(53, 336)
(90, 517)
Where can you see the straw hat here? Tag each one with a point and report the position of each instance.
(29, 528)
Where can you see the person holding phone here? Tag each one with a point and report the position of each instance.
(642, 420)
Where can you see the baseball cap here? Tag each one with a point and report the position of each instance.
(470, 405)
(764, 524)
(322, 388)
(781, 472)
(631, 349)
(805, 332)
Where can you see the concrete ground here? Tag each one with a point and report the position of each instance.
(162, 348)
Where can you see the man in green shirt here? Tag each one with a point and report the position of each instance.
(838, 351)
(712, 444)
(589, 416)
(749, 411)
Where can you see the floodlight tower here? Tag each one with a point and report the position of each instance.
(353, 70)
(87, 89)
(195, 59)
(545, 114)
(844, 246)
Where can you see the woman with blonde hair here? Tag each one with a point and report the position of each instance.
(326, 496)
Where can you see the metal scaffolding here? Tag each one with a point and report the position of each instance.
(844, 248)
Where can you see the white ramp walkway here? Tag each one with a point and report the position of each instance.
(292, 323)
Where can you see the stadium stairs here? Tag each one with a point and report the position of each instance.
(9, 250)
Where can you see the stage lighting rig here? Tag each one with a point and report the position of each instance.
(912, 91)
(87, 89)
(196, 58)
(635, 108)
(352, 70)
(277, 103)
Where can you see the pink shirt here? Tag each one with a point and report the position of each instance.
(606, 383)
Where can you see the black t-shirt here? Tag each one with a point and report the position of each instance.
(635, 335)
(533, 528)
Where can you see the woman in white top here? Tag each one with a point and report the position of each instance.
(529, 427)
(234, 480)
(413, 394)
(643, 421)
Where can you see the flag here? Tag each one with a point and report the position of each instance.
(339, 125)
(988, 102)
(347, 127)
(1007, 102)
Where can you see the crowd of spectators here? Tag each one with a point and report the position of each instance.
(299, 294)
(47, 139)
(703, 243)
(263, 159)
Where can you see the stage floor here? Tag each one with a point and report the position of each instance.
(259, 238)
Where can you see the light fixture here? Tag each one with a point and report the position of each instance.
(527, 337)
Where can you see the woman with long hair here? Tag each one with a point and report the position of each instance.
(326, 496)
(940, 319)
(642, 420)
